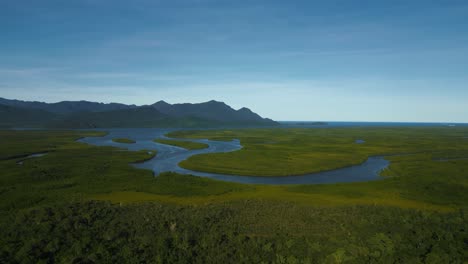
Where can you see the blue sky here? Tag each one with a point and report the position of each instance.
(288, 60)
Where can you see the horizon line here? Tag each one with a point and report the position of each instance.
(312, 120)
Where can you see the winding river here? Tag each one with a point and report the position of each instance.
(168, 157)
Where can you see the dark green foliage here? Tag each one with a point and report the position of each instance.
(47, 212)
(20, 143)
(236, 232)
(185, 185)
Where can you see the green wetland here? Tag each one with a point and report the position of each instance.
(170, 155)
(86, 204)
(123, 140)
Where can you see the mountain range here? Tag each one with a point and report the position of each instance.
(85, 114)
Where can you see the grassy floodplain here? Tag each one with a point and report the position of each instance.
(183, 144)
(124, 140)
(86, 203)
(283, 152)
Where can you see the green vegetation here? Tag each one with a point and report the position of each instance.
(280, 152)
(75, 170)
(124, 140)
(82, 203)
(234, 232)
(183, 144)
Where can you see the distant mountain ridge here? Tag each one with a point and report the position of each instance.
(85, 114)
(212, 110)
(66, 107)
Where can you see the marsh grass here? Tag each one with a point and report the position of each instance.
(182, 144)
(283, 152)
(75, 170)
(124, 140)
(416, 214)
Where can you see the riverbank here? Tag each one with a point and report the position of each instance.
(417, 207)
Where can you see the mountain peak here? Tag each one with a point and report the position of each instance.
(160, 103)
(245, 109)
(214, 102)
(76, 113)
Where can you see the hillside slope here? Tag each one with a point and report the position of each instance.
(84, 114)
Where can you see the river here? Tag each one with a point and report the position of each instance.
(168, 157)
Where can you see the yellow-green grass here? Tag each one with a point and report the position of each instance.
(183, 144)
(123, 140)
(415, 214)
(414, 190)
(275, 194)
(282, 152)
(74, 170)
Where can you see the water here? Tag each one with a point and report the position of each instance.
(35, 155)
(168, 157)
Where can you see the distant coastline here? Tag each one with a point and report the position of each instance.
(368, 124)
